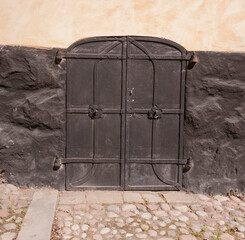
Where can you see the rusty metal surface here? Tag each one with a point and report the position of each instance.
(125, 105)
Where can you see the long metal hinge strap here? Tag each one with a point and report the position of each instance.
(122, 111)
(190, 57)
(59, 161)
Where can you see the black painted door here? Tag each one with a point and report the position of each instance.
(125, 103)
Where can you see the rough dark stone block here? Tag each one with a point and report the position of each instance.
(32, 116)
(32, 119)
(215, 123)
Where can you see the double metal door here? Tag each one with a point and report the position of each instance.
(125, 104)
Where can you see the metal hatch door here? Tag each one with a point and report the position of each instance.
(125, 104)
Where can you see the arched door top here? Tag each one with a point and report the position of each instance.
(164, 41)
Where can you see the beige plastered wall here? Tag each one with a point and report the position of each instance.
(217, 25)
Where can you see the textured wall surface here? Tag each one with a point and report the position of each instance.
(32, 116)
(32, 119)
(215, 123)
(198, 25)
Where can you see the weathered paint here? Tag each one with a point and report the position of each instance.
(197, 25)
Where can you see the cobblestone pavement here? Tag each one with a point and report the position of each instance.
(148, 215)
(13, 206)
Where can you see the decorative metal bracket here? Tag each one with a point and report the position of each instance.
(193, 59)
(188, 165)
(155, 113)
(94, 112)
(57, 163)
(59, 55)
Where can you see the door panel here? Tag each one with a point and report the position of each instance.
(108, 84)
(142, 175)
(92, 47)
(107, 136)
(168, 82)
(88, 175)
(80, 82)
(157, 48)
(166, 137)
(151, 176)
(79, 136)
(140, 85)
(139, 136)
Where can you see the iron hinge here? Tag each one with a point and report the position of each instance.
(57, 163)
(192, 60)
(59, 55)
(188, 165)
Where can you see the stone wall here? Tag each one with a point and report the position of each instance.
(32, 119)
(215, 123)
(32, 116)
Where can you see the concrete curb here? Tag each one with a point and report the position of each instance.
(39, 218)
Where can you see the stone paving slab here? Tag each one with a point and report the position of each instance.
(107, 197)
(132, 197)
(72, 197)
(13, 206)
(179, 197)
(38, 221)
(152, 197)
(110, 197)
